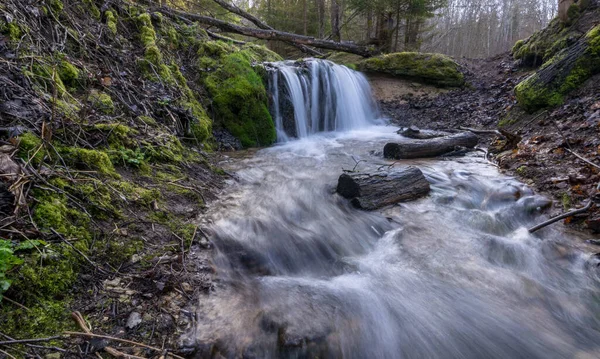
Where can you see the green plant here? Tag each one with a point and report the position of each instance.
(7, 261)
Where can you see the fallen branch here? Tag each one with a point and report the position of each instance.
(256, 21)
(559, 217)
(269, 34)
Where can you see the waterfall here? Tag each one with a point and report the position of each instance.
(311, 96)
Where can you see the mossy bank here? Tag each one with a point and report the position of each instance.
(113, 145)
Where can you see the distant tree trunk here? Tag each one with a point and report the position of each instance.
(305, 20)
(369, 24)
(563, 9)
(335, 20)
(411, 35)
(321, 15)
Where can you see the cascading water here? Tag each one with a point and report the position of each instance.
(311, 96)
(302, 274)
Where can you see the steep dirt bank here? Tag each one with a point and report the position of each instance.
(542, 158)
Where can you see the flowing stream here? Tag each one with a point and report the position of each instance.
(302, 274)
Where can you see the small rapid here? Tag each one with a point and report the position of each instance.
(303, 274)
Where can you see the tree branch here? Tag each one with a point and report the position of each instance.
(270, 34)
(256, 21)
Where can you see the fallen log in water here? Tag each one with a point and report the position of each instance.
(430, 148)
(383, 188)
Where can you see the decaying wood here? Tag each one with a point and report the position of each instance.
(256, 21)
(430, 148)
(419, 134)
(383, 188)
(270, 34)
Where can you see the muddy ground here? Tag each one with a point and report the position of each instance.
(556, 144)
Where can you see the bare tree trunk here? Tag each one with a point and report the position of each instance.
(369, 24)
(321, 14)
(335, 20)
(305, 20)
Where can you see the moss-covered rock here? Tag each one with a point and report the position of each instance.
(346, 59)
(240, 100)
(436, 69)
(544, 44)
(536, 92)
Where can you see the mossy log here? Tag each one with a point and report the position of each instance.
(560, 75)
(384, 188)
(430, 148)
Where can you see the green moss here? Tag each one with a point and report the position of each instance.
(69, 74)
(261, 53)
(52, 212)
(533, 96)
(435, 69)
(137, 194)
(346, 59)
(45, 317)
(146, 120)
(111, 21)
(566, 201)
(30, 145)
(240, 100)
(101, 102)
(148, 36)
(167, 149)
(215, 49)
(66, 109)
(57, 6)
(92, 9)
(46, 77)
(44, 283)
(118, 135)
(89, 159)
(11, 30)
(573, 13)
(518, 45)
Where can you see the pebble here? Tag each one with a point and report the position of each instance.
(134, 320)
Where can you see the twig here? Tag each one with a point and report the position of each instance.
(79, 252)
(561, 216)
(582, 158)
(34, 340)
(122, 341)
(16, 303)
(112, 351)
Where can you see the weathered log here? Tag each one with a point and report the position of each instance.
(429, 148)
(270, 34)
(256, 21)
(383, 188)
(415, 133)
